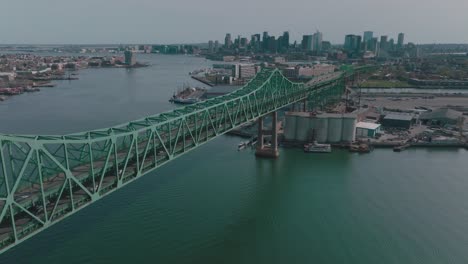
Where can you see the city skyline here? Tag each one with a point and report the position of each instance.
(143, 21)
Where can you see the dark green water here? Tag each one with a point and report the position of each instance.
(218, 205)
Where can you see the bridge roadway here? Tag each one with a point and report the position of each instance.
(44, 179)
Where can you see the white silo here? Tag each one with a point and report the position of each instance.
(312, 128)
(349, 129)
(290, 127)
(302, 128)
(335, 127)
(321, 129)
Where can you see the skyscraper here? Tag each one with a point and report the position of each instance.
(236, 43)
(373, 45)
(255, 42)
(272, 46)
(285, 40)
(368, 35)
(317, 41)
(352, 43)
(210, 46)
(279, 44)
(265, 40)
(391, 44)
(357, 43)
(253, 39)
(244, 42)
(383, 42)
(228, 41)
(401, 40)
(307, 42)
(348, 43)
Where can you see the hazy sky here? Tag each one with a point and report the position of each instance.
(184, 21)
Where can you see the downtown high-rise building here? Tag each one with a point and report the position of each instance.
(228, 41)
(307, 42)
(243, 42)
(317, 39)
(255, 42)
(383, 42)
(285, 40)
(401, 40)
(368, 35)
(391, 45)
(272, 46)
(265, 38)
(373, 45)
(352, 43)
(210, 46)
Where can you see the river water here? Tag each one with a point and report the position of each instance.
(218, 205)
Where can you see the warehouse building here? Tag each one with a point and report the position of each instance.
(397, 121)
(442, 116)
(367, 129)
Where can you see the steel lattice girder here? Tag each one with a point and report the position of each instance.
(44, 179)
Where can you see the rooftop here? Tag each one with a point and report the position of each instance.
(366, 125)
(398, 117)
(441, 113)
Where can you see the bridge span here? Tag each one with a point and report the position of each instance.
(44, 179)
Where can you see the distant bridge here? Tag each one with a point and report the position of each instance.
(44, 179)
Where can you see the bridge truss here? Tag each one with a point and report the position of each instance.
(44, 179)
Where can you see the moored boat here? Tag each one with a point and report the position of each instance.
(317, 148)
(360, 148)
(189, 95)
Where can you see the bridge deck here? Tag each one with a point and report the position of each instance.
(44, 179)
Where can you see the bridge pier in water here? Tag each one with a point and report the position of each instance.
(47, 178)
(271, 151)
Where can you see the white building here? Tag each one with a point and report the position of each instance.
(367, 130)
(247, 71)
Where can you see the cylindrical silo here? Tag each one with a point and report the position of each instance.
(349, 129)
(290, 127)
(334, 129)
(322, 129)
(302, 128)
(312, 128)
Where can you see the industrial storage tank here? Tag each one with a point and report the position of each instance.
(349, 129)
(312, 128)
(322, 129)
(302, 127)
(335, 126)
(290, 127)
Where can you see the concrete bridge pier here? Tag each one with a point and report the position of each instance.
(270, 151)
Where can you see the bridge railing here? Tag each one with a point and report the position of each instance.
(46, 178)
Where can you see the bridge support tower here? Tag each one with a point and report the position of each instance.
(271, 151)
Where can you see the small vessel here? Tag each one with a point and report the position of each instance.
(178, 100)
(242, 145)
(401, 148)
(360, 148)
(188, 95)
(317, 148)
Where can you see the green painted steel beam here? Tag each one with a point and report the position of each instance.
(46, 178)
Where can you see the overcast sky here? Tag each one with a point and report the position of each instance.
(196, 21)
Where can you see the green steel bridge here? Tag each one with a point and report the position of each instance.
(44, 179)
